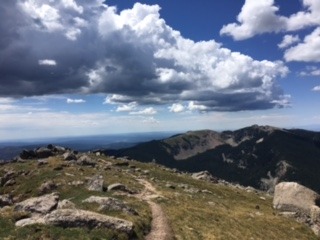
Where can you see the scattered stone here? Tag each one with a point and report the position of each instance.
(69, 156)
(43, 152)
(42, 205)
(81, 218)
(66, 204)
(117, 187)
(76, 183)
(27, 154)
(204, 175)
(108, 203)
(42, 162)
(85, 160)
(47, 187)
(5, 200)
(30, 221)
(121, 164)
(10, 182)
(169, 185)
(96, 184)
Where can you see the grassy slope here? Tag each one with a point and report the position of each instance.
(222, 213)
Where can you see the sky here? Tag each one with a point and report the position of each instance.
(78, 67)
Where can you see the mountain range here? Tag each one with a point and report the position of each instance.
(258, 156)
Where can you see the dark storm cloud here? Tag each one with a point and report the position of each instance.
(87, 47)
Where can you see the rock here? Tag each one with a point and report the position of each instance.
(69, 156)
(315, 214)
(293, 197)
(5, 200)
(42, 162)
(316, 229)
(118, 187)
(108, 203)
(122, 164)
(43, 152)
(10, 182)
(47, 187)
(169, 185)
(27, 154)
(42, 205)
(81, 218)
(30, 221)
(95, 184)
(85, 160)
(66, 204)
(204, 175)
(76, 183)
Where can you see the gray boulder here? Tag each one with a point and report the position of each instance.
(204, 175)
(95, 183)
(5, 200)
(69, 156)
(47, 187)
(85, 160)
(27, 154)
(108, 203)
(38, 205)
(43, 152)
(66, 204)
(81, 218)
(293, 197)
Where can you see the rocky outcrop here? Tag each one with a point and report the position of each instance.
(81, 218)
(39, 205)
(293, 197)
(204, 175)
(108, 203)
(68, 218)
(300, 202)
(69, 156)
(66, 204)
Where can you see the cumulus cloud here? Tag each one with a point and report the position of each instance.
(133, 56)
(257, 17)
(288, 40)
(310, 71)
(127, 107)
(316, 89)
(69, 100)
(307, 51)
(146, 111)
(176, 108)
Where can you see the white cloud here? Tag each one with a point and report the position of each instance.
(288, 40)
(176, 108)
(150, 120)
(146, 111)
(194, 107)
(127, 107)
(72, 5)
(132, 56)
(256, 17)
(48, 62)
(310, 71)
(316, 89)
(308, 51)
(69, 100)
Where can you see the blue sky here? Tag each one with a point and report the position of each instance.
(76, 67)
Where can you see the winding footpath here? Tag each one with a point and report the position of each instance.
(160, 228)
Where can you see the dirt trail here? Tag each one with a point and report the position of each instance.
(160, 228)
